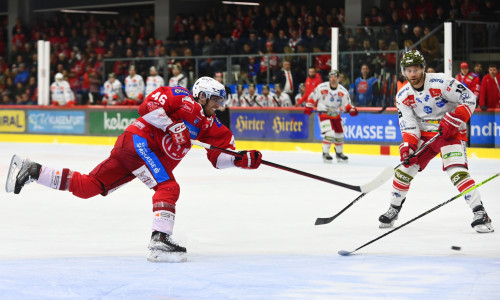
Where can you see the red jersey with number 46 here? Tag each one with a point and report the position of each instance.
(168, 105)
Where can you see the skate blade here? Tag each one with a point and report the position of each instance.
(326, 161)
(484, 228)
(15, 166)
(386, 225)
(342, 161)
(167, 257)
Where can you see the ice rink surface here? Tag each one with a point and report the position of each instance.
(249, 234)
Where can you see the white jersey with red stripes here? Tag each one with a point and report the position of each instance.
(328, 99)
(421, 111)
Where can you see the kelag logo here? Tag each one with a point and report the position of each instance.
(368, 127)
(111, 122)
(270, 126)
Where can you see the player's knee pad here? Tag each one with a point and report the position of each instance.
(329, 136)
(453, 156)
(338, 138)
(460, 177)
(166, 195)
(403, 177)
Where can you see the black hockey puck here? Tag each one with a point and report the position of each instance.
(456, 248)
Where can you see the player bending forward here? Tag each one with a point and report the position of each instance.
(330, 97)
(429, 103)
(150, 149)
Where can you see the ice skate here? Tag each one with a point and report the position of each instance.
(391, 215)
(327, 158)
(21, 172)
(163, 249)
(341, 157)
(481, 222)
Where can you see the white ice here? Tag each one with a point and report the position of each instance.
(249, 234)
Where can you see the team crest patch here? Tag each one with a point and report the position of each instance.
(179, 91)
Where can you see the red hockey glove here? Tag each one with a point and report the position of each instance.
(353, 112)
(405, 150)
(115, 97)
(250, 160)
(450, 125)
(179, 133)
(308, 110)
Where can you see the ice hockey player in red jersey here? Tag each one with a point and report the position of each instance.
(427, 104)
(149, 149)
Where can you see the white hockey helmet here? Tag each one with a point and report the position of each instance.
(210, 87)
(334, 73)
(59, 76)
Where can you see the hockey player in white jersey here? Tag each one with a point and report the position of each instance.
(266, 98)
(178, 78)
(113, 90)
(430, 103)
(330, 98)
(282, 99)
(249, 97)
(134, 87)
(153, 81)
(61, 92)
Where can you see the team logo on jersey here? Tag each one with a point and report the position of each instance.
(172, 150)
(435, 92)
(441, 103)
(410, 101)
(426, 99)
(464, 96)
(341, 94)
(427, 109)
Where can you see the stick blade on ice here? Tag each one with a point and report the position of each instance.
(344, 253)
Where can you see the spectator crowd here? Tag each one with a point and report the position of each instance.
(266, 40)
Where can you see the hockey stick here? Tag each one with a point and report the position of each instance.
(365, 188)
(322, 221)
(347, 253)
